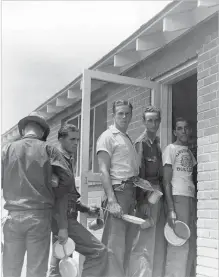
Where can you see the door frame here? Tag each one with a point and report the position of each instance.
(87, 77)
(166, 80)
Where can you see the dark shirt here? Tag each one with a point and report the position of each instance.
(150, 157)
(27, 167)
(74, 204)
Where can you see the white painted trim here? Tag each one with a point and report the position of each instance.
(88, 75)
(175, 75)
(92, 107)
(178, 73)
(84, 148)
(156, 96)
(207, 3)
(118, 79)
(93, 154)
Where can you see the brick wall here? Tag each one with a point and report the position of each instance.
(208, 138)
(52, 138)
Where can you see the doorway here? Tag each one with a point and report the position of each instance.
(184, 104)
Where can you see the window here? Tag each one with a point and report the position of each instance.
(98, 124)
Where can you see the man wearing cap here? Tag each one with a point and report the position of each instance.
(27, 166)
(147, 254)
(88, 245)
(178, 162)
(117, 160)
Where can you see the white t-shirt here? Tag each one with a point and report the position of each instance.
(182, 161)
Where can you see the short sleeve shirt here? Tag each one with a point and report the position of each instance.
(124, 160)
(182, 161)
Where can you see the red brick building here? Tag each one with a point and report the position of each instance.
(172, 61)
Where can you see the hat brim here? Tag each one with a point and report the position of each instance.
(31, 118)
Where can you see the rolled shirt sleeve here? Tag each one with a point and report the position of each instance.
(168, 156)
(105, 143)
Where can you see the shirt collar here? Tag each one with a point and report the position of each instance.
(144, 137)
(114, 130)
(64, 152)
(31, 136)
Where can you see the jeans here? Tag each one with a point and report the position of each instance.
(148, 246)
(96, 254)
(116, 230)
(27, 231)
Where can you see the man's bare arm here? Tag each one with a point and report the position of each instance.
(167, 178)
(104, 161)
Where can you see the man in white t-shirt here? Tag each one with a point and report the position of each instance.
(178, 162)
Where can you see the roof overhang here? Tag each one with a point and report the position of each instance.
(172, 22)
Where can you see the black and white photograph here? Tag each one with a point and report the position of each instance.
(109, 138)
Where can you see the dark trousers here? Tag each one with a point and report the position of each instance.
(116, 230)
(148, 246)
(96, 254)
(180, 259)
(27, 231)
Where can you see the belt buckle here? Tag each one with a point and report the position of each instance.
(120, 187)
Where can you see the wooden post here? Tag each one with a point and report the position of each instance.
(84, 148)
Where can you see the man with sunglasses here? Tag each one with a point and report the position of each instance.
(96, 254)
(117, 160)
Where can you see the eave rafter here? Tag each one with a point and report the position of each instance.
(74, 94)
(207, 3)
(155, 40)
(130, 57)
(62, 102)
(185, 20)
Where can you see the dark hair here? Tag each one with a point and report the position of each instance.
(151, 109)
(63, 131)
(179, 119)
(121, 103)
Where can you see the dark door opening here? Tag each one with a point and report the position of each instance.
(184, 104)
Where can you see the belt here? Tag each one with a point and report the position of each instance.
(124, 185)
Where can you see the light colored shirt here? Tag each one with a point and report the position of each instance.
(124, 159)
(182, 161)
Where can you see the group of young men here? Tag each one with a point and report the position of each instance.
(36, 207)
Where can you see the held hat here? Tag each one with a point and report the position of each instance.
(34, 117)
